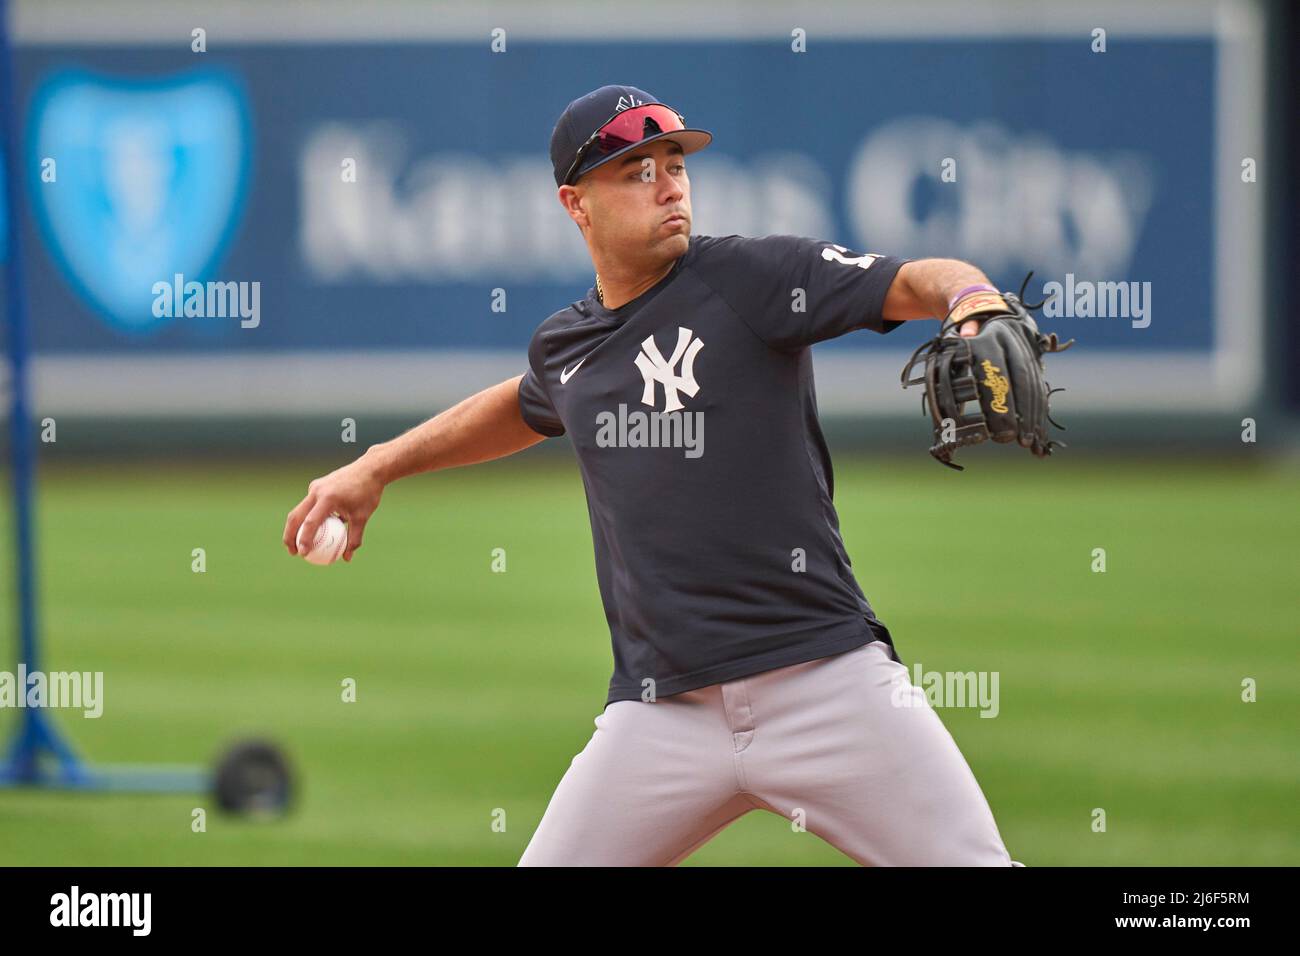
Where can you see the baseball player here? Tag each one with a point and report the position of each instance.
(750, 672)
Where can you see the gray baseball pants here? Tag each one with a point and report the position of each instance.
(823, 744)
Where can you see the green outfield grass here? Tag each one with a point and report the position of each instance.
(1119, 690)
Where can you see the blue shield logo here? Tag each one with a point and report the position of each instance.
(4, 210)
(149, 179)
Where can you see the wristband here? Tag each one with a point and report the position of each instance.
(972, 303)
(981, 287)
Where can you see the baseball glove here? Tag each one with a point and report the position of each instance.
(998, 371)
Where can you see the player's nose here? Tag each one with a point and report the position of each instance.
(670, 190)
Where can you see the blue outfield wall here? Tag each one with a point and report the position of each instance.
(1084, 167)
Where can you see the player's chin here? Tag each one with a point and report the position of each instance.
(673, 238)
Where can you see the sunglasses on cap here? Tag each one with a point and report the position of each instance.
(626, 128)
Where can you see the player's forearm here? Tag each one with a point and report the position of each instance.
(485, 426)
(924, 289)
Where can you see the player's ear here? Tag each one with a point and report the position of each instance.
(571, 199)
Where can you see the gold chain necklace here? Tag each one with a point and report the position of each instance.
(600, 293)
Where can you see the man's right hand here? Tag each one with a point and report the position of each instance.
(352, 492)
(487, 425)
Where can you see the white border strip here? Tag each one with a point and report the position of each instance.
(139, 22)
(1239, 227)
(313, 383)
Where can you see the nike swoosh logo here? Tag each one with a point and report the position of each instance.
(566, 373)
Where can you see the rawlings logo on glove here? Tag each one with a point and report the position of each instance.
(998, 386)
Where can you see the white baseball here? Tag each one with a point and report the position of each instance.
(331, 541)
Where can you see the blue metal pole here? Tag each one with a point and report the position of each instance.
(19, 350)
(19, 347)
(35, 734)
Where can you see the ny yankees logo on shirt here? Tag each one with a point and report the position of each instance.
(655, 369)
(671, 428)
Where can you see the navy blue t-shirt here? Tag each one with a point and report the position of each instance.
(693, 414)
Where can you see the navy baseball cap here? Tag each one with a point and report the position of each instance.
(608, 122)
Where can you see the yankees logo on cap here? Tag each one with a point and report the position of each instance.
(608, 122)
